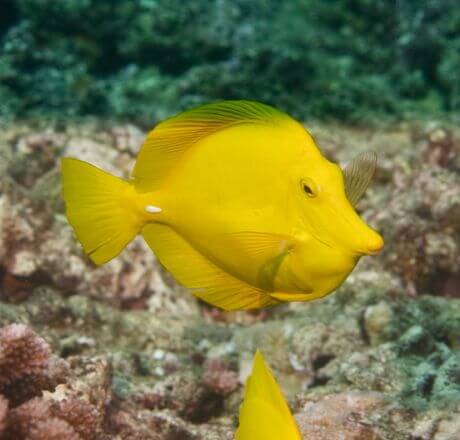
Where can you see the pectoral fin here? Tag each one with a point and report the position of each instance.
(262, 252)
(260, 246)
(358, 175)
(269, 270)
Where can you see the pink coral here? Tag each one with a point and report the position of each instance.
(78, 413)
(40, 419)
(34, 420)
(26, 370)
(52, 429)
(22, 353)
(26, 365)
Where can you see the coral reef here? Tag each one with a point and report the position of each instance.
(120, 351)
(345, 59)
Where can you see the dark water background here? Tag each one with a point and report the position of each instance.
(353, 60)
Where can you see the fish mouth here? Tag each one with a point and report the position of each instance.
(362, 253)
(373, 249)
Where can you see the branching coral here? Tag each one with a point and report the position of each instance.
(79, 414)
(37, 419)
(22, 353)
(26, 370)
(27, 419)
(26, 365)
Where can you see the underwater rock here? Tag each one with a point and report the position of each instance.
(425, 232)
(376, 319)
(3, 413)
(448, 429)
(442, 149)
(218, 377)
(341, 416)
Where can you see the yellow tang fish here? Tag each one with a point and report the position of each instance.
(236, 201)
(265, 414)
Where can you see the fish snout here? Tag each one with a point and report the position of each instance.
(375, 244)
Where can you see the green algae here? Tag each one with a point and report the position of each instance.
(352, 60)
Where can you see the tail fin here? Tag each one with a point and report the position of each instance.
(98, 208)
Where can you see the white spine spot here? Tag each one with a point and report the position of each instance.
(152, 209)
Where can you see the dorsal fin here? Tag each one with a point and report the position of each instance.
(166, 143)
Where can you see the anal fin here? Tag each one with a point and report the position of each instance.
(196, 272)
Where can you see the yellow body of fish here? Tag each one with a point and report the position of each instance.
(236, 201)
(264, 414)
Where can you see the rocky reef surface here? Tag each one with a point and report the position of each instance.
(122, 352)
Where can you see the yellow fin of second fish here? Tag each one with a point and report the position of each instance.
(264, 413)
(196, 272)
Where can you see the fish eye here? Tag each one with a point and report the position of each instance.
(309, 187)
(308, 191)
